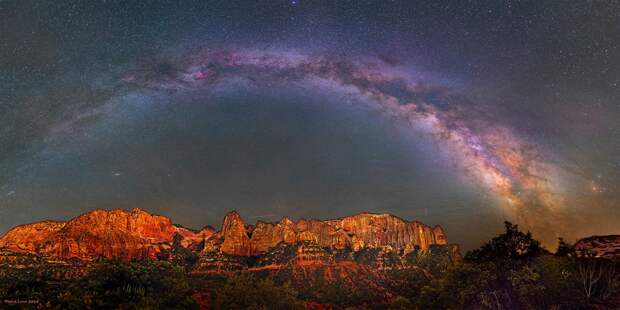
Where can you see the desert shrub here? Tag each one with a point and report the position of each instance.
(408, 282)
(401, 303)
(249, 292)
(511, 246)
(135, 285)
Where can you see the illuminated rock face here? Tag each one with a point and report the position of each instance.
(235, 236)
(26, 238)
(134, 234)
(377, 230)
(363, 230)
(607, 247)
(267, 235)
(137, 234)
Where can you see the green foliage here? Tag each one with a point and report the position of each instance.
(558, 275)
(511, 271)
(248, 292)
(401, 303)
(435, 260)
(135, 285)
(527, 288)
(599, 278)
(408, 283)
(110, 285)
(463, 286)
(341, 293)
(512, 245)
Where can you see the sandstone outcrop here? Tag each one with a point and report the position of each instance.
(607, 247)
(234, 234)
(364, 230)
(134, 234)
(26, 238)
(137, 234)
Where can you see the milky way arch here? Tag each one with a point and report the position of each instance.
(491, 154)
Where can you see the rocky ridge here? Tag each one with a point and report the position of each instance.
(607, 247)
(138, 234)
(134, 234)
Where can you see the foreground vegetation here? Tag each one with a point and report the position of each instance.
(511, 271)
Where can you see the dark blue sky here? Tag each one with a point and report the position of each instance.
(74, 137)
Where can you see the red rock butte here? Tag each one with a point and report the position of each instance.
(607, 247)
(138, 234)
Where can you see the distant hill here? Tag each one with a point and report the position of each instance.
(379, 240)
(607, 247)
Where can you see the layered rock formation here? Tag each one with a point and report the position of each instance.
(356, 232)
(134, 234)
(26, 238)
(607, 247)
(137, 234)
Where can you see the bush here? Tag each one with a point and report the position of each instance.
(135, 285)
(248, 292)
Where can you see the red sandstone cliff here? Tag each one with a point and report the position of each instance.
(607, 247)
(356, 232)
(134, 234)
(137, 234)
(26, 238)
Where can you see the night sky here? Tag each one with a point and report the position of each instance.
(463, 113)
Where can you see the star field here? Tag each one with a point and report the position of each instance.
(450, 112)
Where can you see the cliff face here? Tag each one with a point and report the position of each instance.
(134, 234)
(356, 232)
(599, 246)
(26, 238)
(195, 240)
(267, 235)
(137, 234)
(234, 234)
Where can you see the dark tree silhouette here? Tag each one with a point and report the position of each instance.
(564, 249)
(512, 244)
